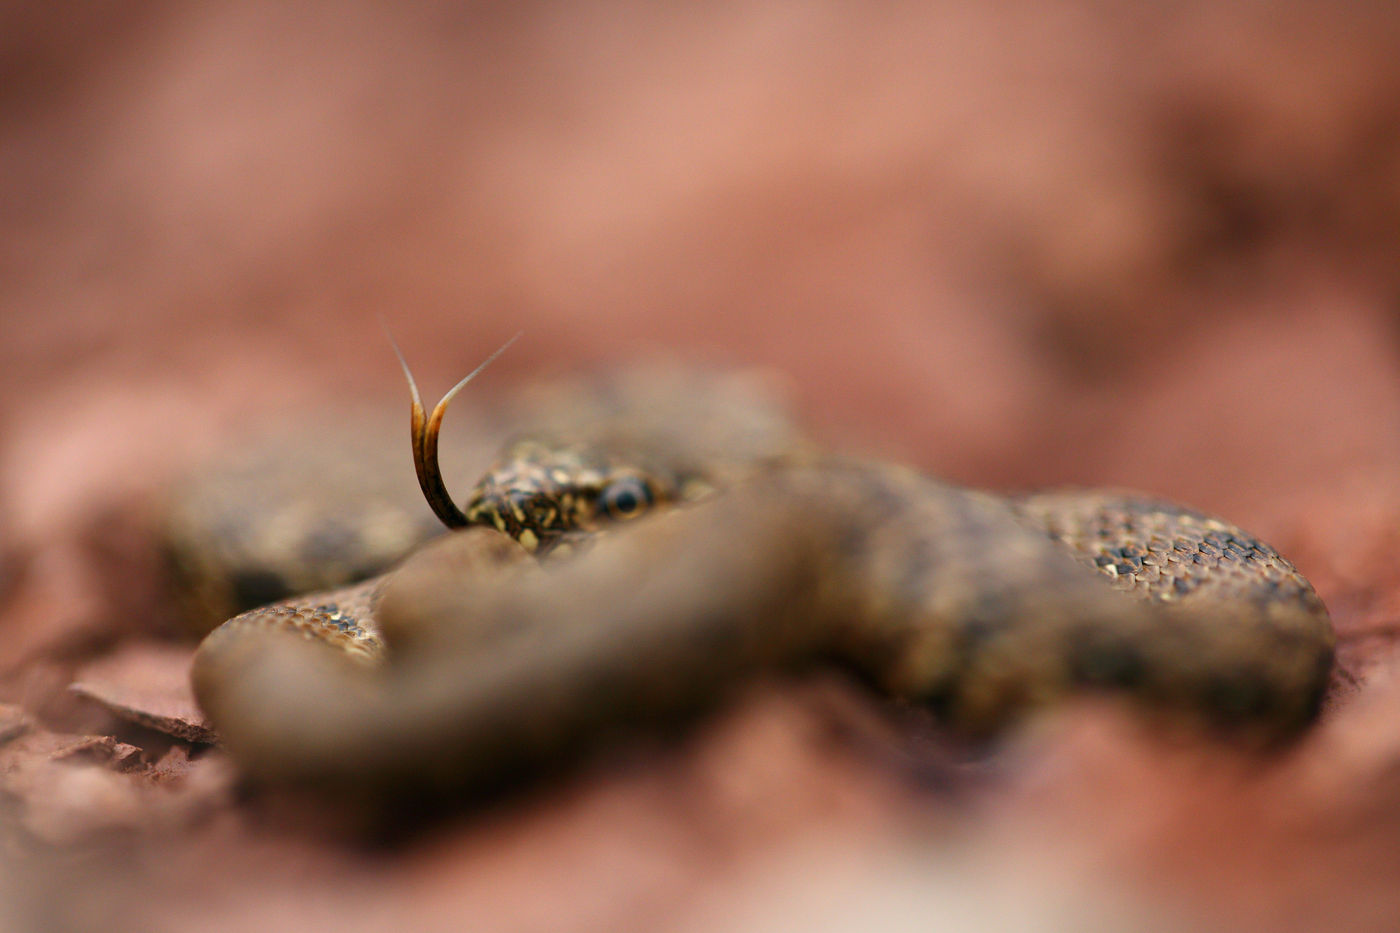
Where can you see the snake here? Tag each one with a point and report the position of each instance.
(651, 543)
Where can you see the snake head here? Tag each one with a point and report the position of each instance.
(538, 492)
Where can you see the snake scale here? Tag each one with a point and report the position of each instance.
(653, 540)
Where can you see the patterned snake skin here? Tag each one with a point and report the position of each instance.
(661, 537)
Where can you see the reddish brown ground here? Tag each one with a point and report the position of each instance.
(1019, 244)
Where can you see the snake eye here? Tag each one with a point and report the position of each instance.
(626, 498)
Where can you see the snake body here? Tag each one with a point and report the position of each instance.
(657, 541)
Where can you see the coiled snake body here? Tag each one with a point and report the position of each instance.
(526, 639)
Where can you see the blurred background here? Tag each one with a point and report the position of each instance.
(1018, 244)
(1021, 244)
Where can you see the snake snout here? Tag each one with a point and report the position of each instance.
(532, 517)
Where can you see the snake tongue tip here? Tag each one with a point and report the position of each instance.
(452, 392)
(403, 363)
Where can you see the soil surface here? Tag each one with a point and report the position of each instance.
(1016, 244)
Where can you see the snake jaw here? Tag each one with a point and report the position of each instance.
(424, 430)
